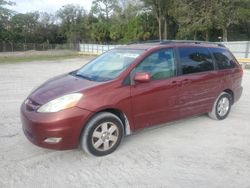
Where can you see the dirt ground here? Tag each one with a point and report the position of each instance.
(195, 152)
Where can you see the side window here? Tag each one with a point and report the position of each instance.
(160, 65)
(194, 60)
(223, 58)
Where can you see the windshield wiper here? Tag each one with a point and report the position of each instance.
(82, 76)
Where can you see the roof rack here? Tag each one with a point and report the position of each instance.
(176, 41)
(144, 42)
(191, 42)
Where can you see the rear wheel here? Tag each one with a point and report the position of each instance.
(222, 106)
(102, 135)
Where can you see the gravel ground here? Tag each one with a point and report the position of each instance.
(195, 152)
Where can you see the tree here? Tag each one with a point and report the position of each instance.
(123, 21)
(162, 11)
(5, 15)
(72, 19)
(100, 32)
(196, 16)
(47, 30)
(127, 23)
(167, 11)
(23, 27)
(244, 15)
(104, 8)
(156, 7)
(229, 13)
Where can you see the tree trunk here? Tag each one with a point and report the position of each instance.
(159, 22)
(248, 30)
(195, 35)
(207, 35)
(106, 12)
(160, 34)
(165, 29)
(225, 34)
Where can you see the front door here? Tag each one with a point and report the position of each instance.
(154, 102)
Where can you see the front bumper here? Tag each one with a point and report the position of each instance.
(67, 125)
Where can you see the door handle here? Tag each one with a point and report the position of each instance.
(175, 83)
(186, 81)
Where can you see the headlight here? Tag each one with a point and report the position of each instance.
(61, 103)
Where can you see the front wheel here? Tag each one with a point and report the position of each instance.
(102, 134)
(222, 106)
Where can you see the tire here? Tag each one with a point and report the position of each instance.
(221, 107)
(102, 134)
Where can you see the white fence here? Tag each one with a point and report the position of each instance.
(96, 48)
(240, 49)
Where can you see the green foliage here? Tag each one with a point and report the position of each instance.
(196, 16)
(123, 21)
(23, 26)
(227, 15)
(5, 15)
(163, 11)
(104, 8)
(72, 25)
(100, 32)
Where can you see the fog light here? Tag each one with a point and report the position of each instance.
(53, 140)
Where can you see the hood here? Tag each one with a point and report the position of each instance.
(59, 86)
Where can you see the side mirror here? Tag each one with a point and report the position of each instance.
(142, 77)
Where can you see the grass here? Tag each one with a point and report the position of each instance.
(34, 58)
(37, 56)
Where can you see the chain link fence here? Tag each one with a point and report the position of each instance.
(18, 47)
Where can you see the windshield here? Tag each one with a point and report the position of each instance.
(109, 65)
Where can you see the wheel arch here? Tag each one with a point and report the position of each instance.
(122, 116)
(230, 92)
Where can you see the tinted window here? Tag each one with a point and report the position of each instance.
(223, 58)
(159, 64)
(195, 60)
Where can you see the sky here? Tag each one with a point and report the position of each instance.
(50, 6)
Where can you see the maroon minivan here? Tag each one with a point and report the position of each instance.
(130, 88)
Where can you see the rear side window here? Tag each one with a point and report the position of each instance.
(223, 58)
(194, 60)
